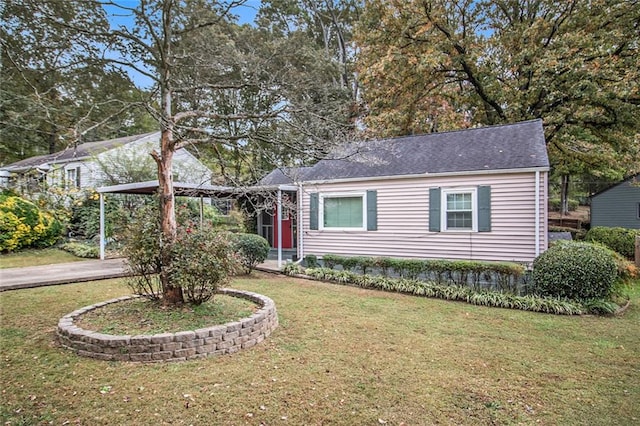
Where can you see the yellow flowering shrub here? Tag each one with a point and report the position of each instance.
(22, 225)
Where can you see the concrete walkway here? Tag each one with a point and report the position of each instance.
(74, 272)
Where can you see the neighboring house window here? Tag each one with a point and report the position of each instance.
(73, 177)
(350, 211)
(460, 209)
(342, 211)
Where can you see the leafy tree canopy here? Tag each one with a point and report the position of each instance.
(432, 65)
(56, 89)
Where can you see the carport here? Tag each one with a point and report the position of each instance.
(198, 191)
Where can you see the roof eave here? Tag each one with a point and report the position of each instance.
(423, 175)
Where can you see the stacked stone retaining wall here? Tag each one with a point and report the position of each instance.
(185, 345)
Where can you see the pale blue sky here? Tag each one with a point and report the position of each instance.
(246, 14)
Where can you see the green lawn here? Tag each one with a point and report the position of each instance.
(341, 356)
(36, 258)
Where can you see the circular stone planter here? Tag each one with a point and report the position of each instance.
(166, 347)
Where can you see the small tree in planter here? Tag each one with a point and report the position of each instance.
(203, 259)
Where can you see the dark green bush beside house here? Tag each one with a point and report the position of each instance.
(575, 270)
(252, 249)
(620, 240)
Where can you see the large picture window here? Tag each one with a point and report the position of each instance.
(343, 211)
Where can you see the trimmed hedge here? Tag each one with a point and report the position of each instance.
(453, 292)
(620, 240)
(505, 276)
(575, 270)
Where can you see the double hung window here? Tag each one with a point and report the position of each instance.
(459, 210)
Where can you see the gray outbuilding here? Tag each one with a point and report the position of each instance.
(618, 206)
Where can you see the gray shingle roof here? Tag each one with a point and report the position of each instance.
(511, 146)
(80, 152)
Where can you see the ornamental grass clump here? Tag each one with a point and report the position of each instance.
(575, 270)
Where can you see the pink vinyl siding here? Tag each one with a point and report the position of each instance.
(403, 220)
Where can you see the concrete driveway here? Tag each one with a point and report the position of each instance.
(61, 273)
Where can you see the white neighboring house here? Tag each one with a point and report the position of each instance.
(94, 164)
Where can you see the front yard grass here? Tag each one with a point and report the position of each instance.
(341, 356)
(39, 257)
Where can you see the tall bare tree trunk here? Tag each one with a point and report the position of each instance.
(172, 294)
(564, 196)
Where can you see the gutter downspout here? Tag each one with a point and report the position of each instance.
(102, 238)
(300, 226)
(537, 214)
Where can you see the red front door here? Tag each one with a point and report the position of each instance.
(287, 229)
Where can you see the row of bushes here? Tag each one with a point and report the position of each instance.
(533, 303)
(570, 277)
(503, 276)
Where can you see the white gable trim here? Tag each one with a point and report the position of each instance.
(422, 175)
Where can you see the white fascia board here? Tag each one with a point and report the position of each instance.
(423, 175)
(128, 186)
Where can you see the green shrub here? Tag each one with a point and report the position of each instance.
(620, 240)
(23, 224)
(81, 249)
(142, 250)
(330, 260)
(202, 261)
(311, 260)
(454, 292)
(575, 270)
(252, 248)
(505, 276)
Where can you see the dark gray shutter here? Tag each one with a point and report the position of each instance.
(313, 211)
(372, 210)
(434, 209)
(484, 209)
(78, 177)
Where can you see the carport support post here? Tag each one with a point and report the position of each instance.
(279, 215)
(102, 239)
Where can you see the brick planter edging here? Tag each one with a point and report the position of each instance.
(167, 347)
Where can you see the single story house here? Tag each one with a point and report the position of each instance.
(618, 205)
(93, 164)
(474, 194)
